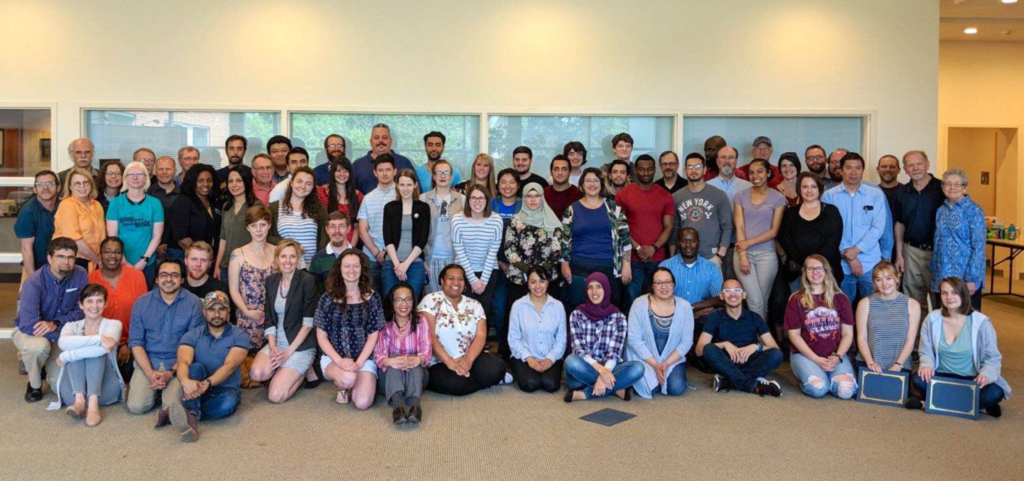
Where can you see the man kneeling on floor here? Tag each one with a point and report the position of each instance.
(208, 376)
(738, 346)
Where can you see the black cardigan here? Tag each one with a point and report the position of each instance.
(800, 238)
(303, 296)
(420, 225)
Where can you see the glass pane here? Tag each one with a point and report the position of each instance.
(462, 134)
(24, 141)
(118, 133)
(788, 134)
(546, 135)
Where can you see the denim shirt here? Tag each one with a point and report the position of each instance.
(44, 298)
(865, 216)
(158, 327)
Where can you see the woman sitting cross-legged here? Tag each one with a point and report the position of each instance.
(291, 302)
(458, 332)
(660, 335)
(348, 321)
(537, 335)
(959, 342)
(598, 332)
(819, 323)
(89, 377)
(402, 354)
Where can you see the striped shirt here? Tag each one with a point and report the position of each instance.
(393, 343)
(291, 225)
(888, 323)
(372, 211)
(476, 245)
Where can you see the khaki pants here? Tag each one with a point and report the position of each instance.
(917, 278)
(38, 352)
(141, 398)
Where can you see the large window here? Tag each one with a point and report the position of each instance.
(118, 133)
(407, 130)
(788, 134)
(24, 141)
(546, 135)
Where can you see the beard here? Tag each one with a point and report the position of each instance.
(235, 160)
(816, 168)
(216, 321)
(335, 157)
(433, 159)
(725, 171)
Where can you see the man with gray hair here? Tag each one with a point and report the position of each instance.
(81, 151)
(187, 157)
(913, 209)
(363, 167)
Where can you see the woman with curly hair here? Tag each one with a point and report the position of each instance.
(193, 215)
(299, 216)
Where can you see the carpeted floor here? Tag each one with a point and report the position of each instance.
(506, 434)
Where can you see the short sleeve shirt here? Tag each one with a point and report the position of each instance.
(740, 332)
(645, 211)
(212, 351)
(35, 221)
(347, 326)
(757, 219)
(135, 221)
(455, 328)
(821, 326)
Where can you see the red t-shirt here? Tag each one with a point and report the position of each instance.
(645, 211)
(559, 201)
(821, 327)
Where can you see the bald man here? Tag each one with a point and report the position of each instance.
(81, 151)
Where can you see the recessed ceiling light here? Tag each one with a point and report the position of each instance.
(1009, 1)
(971, 30)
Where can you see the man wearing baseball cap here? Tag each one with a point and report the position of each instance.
(762, 149)
(208, 375)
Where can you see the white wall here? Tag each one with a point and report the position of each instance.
(523, 56)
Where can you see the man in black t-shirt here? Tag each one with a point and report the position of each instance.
(738, 346)
(198, 280)
(522, 160)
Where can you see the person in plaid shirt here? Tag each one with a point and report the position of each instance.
(403, 353)
(598, 332)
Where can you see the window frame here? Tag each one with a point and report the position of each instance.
(27, 180)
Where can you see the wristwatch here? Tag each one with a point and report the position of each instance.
(145, 258)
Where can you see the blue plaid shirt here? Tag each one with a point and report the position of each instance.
(959, 243)
(598, 340)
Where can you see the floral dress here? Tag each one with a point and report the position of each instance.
(252, 285)
(348, 326)
(527, 246)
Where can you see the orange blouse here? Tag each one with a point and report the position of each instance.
(130, 287)
(78, 221)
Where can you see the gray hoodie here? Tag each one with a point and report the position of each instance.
(987, 359)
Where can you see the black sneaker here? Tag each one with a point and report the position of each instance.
(721, 383)
(767, 388)
(914, 402)
(33, 394)
(994, 411)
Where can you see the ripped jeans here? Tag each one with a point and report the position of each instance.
(815, 382)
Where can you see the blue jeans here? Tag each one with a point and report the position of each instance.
(375, 274)
(991, 394)
(149, 272)
(743, 375)
(579, 374)
(856, 288)
(807, 371)
(641, 282)
(676, 381)
(416, 276)
(500, 301)
(217, 402)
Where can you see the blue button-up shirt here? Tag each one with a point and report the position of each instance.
(539, 335)
(46, 298)
(362, 170)
(211, 351)
(35, 222)
(730, 187)
(157, 326)
(702, 280)
(865, 216)
(959, 243)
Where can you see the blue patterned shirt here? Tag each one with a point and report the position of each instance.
(694, 283)
(959, 243)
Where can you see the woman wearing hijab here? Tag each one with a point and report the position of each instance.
(534, 238)
(598, 331)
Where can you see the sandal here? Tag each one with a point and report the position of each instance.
(342, 397)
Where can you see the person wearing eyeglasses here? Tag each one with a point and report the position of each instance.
(124, 285)
(670, 179)
(738, 346)
(34, 226)
(262, 178)
(433, 145)
(444, 203)
(660, 334)
(402, 354)
(959, 238)
(913, 208)
(364, 168)
(817, 162)
(79, 217)
(334, 149)
(704, 208)
(138, 219)
(159, 319)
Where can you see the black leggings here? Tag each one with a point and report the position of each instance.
(530, 380)
(487, 371)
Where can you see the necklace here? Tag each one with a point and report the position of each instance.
(284, 290)
(890, 302)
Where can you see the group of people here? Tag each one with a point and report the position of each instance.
(384, 278)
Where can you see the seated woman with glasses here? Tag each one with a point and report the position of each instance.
(80, 218)
(819, 322)
(402, 354)
(660, 335)
(537, 336)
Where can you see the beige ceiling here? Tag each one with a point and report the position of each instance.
(992, 18)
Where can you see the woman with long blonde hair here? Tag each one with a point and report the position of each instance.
(482, 174)
(819, 322)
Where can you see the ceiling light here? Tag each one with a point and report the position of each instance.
(1009, 1)
(971, 30)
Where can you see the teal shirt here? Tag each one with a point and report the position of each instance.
(957, 358)
(135, 224)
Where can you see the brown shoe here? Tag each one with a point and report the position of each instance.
(93, 418)
(75, 411)
(163, 418)
(185, 422)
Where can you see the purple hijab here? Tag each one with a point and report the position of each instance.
(598, 311)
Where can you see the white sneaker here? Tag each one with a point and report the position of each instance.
(508, 379)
